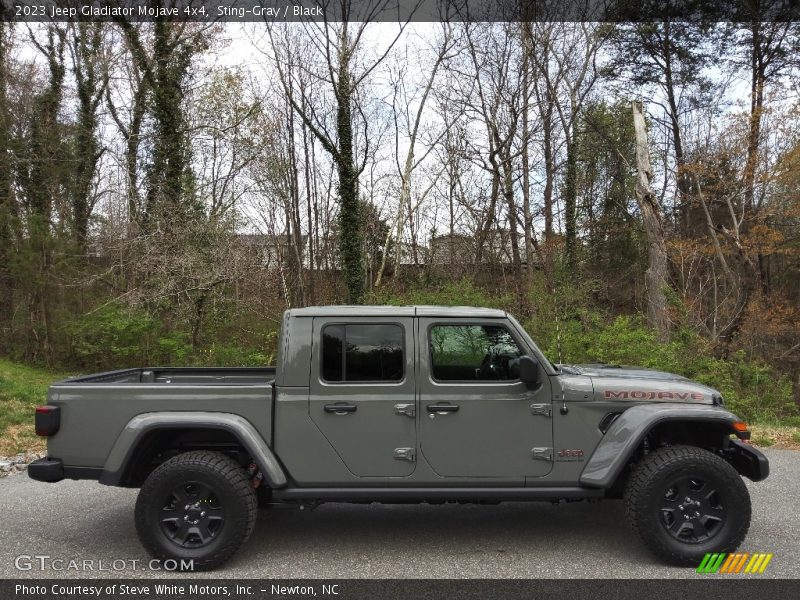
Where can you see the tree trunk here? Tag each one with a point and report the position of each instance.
(309, 214)
(656, 275)
(549, 169)
(90, 81)
(349, 210)
(508, 191)
(485, 230)
(683, 182)
(169, 199)
(526, 167)
(294, 233)
(46, 150)
(571, 195)
(131, 133)
(757, 76)
(6, 199)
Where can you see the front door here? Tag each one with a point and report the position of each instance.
(477, 418)
(362, 392)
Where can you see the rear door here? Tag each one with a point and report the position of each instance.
(477, 418)
(362, 392)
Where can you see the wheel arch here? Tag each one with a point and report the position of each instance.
(148, 434)
(656, 425)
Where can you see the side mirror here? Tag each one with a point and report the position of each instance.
(529, 371)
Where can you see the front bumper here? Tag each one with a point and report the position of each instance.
(749, 461)
(46, 469)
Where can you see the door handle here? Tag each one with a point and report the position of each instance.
(340, 408)
(442, 408)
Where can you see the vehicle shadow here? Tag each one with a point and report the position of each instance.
(514, 539)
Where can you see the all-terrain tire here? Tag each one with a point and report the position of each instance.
(653, 511)
(173, 504)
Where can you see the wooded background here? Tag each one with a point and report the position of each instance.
(630, 191)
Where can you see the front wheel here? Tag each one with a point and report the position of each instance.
(684, 502)
(197, 508)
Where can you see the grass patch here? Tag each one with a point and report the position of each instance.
(777, 435)
(22, 389)
(764, 440)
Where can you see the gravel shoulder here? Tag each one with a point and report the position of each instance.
(87, 521)
(13, 465)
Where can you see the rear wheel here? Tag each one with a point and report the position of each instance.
(684, 502)
(198, 507)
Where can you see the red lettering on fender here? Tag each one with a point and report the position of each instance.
(649, 395)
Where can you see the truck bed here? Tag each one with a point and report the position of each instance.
(180, 375)
(101, 404)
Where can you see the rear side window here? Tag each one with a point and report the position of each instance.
(473, 353)
(362, 352)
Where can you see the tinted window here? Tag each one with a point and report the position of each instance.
(473, 353)
(332, 352)
(362, 352)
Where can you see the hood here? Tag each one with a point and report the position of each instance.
(602, 370)
(635, 384)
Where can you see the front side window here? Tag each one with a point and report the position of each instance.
(473, 353)
(362, 352)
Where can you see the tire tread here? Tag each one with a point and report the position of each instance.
(221, 465)
(638, 489)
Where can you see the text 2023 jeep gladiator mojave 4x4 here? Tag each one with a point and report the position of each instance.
(402, 404)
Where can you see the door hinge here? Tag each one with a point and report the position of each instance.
(405, 409)
(542, 409)
(408, 454)
(542, 453)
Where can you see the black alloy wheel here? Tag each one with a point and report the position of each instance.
(192, 515)
(692, 510)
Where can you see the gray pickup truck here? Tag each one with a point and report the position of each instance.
(402, 404)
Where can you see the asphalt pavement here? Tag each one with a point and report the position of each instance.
(93, 525)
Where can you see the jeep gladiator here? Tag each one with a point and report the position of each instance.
(402, 404)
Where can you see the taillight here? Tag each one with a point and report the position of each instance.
(48, 420)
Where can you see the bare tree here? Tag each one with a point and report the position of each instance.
(544, 85)
(6, 190)
(341, 46)
(164, 63)
(411, 161)
(90, 70)
(495, 99)
(130, 125)
(657, 270)
(40, 178)
(576, 59)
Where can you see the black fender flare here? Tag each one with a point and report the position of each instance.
(123, 451)
(629, 429)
